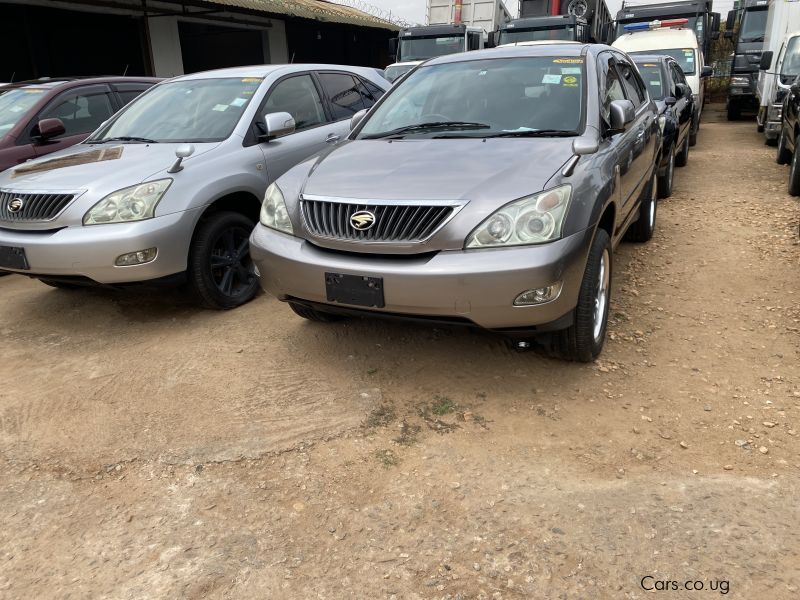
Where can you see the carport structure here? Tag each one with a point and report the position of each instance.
(164, 38)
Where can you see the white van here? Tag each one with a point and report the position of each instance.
(679, 43)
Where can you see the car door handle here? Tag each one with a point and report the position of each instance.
(332, 138)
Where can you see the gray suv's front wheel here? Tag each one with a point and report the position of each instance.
(221, 273)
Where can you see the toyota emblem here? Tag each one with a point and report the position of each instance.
(15, 205)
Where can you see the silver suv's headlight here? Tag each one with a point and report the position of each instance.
(134, 203)
(531, 220)
(273, 211)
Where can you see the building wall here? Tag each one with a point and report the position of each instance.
(165, 46)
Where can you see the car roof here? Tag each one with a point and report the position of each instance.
(47, 83)
(566, 49)
(656, 39)
(263, 71)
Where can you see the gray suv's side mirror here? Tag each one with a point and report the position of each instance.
(621, 114)
(357, 118)
(278, 124)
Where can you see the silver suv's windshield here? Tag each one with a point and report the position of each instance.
(196, 110)
(15, 104)
(509, 97)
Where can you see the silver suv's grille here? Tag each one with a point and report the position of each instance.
(31, 207)
(401, 223)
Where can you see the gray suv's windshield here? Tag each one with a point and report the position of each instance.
(196, 110)
(484, 98)
(15, 104)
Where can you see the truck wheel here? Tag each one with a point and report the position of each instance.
(221, 273)
(734, 112)
(642, 229)
(312, 314)
(665, 181)
(783, 156)
(794, 173)
(683, 155)
(583, 340)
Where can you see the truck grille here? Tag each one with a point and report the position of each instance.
(402, 223)
(31, 207)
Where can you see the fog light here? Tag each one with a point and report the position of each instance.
(136, 258)
(538, 295)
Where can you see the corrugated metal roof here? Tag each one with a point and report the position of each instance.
(319, 10)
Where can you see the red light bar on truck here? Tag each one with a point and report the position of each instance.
(655, 24)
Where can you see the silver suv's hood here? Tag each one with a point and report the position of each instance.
(493, 170)
(101, 167)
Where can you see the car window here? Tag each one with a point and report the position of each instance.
(473, 41)
(15, 104)
(652, 73)
(612, 88)
(343, 94)
(685, 57)
(677, 74)
(634, 89)
(80, 113)
(129, 91)
(299, 97)
(367, 97)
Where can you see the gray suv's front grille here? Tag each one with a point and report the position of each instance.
(31, 207)
(401, 223)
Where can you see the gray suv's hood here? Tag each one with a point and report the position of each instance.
(495, 171)
(102, 167)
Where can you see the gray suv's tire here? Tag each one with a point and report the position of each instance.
(682, 158)
(313, 315)
(221, 274)
(794, 173)
(583, 340)
(642, 229)
(665, 182)
(783, 156)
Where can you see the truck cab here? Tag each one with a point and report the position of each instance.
(775, 80)
(749, 43)
(429, 41)
(535, 29)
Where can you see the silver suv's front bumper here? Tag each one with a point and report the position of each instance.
(91, 251)
(478, 285)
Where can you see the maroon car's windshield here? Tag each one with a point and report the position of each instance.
(15, 104)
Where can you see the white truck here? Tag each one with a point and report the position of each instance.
(779, 64)
(453, 26)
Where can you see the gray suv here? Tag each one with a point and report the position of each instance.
(170, 188)
(486, 188)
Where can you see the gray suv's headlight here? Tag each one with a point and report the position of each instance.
(134, 203)
(273, 211)
(531, 220)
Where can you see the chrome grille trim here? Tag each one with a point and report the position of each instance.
(37, 207)
(396, 222)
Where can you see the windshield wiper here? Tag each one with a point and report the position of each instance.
(534, 133)
(123, 138)
(434, 125)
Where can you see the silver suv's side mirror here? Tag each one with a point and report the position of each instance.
(357, 118)
(278, 124)
(621, 114)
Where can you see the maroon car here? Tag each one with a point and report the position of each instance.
(40, 117)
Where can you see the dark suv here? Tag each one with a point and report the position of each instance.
(40, 117)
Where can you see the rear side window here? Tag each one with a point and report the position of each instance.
(299, 97)
(343, 94)
(80, 113)
(367, 97)
(612, 89)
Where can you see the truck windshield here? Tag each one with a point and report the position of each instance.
(14, 106)
(651, 73)
(790, 66)
(501, 97)
(685, 57)
(423, 48)
(193, 110)
(754, 24)
(512, 36)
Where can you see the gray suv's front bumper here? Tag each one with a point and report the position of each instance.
(477, 285)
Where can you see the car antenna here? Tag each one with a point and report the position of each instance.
(12, 77)
(291, 62)
(126, 70)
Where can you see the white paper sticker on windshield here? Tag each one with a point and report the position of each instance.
(570, 70)
(16, 109)
(220, 107)
(550, 78)
(239, 102)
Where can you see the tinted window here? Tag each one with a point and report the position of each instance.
(343, 93)
(129, 91)
(633, 86)
(652, 73)
(501, 96)
(373, 89)
(299, 97)
(612, 90)
(367, 97)
(81, 113)
(685, 57)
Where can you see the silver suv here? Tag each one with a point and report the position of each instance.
(170, 188)
(486, 188)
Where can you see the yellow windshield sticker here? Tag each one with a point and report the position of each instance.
(570, 79)
(568, 61)
(252, 80)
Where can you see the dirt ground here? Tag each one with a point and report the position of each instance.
(149, 449)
